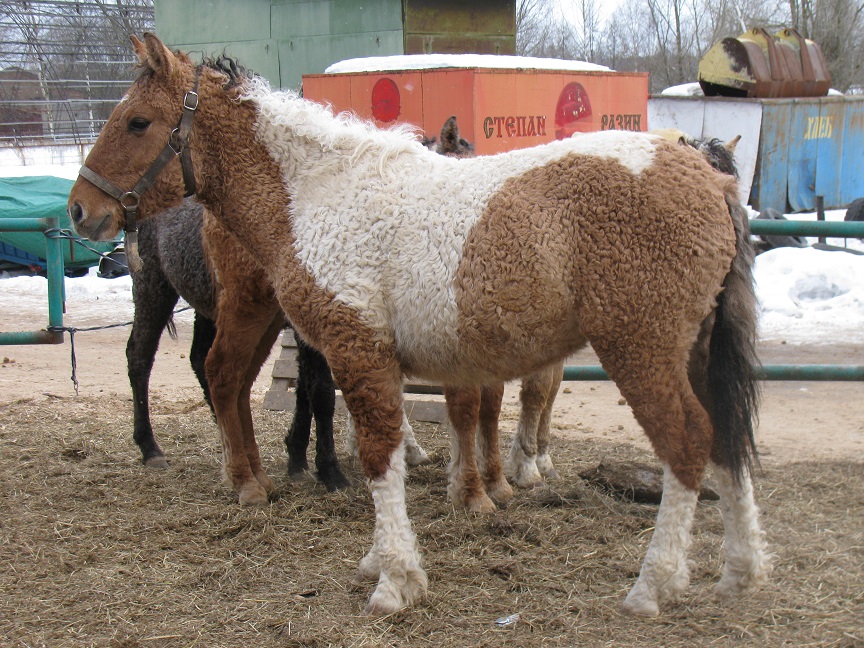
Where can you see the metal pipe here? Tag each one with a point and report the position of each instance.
(767, 372)
(55, 274)
(27, 224)
(837, 229)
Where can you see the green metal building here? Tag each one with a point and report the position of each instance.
(284, 39)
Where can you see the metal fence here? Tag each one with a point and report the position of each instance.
(64, 65)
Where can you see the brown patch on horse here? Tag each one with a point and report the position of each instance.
(676, 247)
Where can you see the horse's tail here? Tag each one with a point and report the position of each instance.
(172, 328)
(733, 365)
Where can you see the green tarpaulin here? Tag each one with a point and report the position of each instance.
(41, 197)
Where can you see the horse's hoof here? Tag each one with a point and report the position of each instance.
(481, 505)
(416, 456)
(640, 602)
(252, 494)
(265, 481)
(551, 474)
(334, 481)
(388, 598)
(369, 568)
(646, 608)
(500, 491)
(159, 461)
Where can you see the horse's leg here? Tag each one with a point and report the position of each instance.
(203, 334)
(244, 407)
(415, 455)
(297, 439)
(488, 446)
(371, 381)
(240, 328)
(322, 397)
(465, 487)
(554, 375)
(154, 303)
(655, 383)
(747, 560)
(522, 462)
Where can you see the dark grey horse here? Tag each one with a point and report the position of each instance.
(176, 265)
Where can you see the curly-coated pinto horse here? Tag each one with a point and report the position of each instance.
(186, 253)
(504, 265)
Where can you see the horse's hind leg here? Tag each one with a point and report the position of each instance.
(747, 560)
(488, 446)
(554, 376)
(322, 398)
(154, 302)
(465, 487)
(203, 334)
(530, 447)
(297, 438)
(244, 407)
(656, 386)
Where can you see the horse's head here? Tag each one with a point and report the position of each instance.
(121, 177)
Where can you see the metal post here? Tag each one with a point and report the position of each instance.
(820, 213)
(55, 273)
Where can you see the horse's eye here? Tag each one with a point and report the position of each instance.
(138, 125)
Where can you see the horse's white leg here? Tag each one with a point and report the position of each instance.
(521, 464)
(553, 376)
(415, 455)
(664, 572)
(393, 558)
(351, 438)
(747, 561)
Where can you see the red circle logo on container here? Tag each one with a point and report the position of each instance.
(573, 113)
(385, 100)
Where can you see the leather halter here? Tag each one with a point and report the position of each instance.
(129, 200)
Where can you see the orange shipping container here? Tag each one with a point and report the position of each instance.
(497, 109)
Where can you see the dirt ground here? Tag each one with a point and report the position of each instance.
(97, 550)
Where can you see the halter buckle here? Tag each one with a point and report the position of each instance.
(190, 100)
(175, 142)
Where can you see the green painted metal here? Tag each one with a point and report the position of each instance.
(844, 229)
(775, 372)
(53, 334)
(284, 39)
(767, 372)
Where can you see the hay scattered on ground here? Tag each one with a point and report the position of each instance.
(97, 550)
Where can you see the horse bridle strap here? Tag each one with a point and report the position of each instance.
(176, 146)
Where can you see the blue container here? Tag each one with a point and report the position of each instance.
(809, 147)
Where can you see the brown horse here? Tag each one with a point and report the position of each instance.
(505, 265)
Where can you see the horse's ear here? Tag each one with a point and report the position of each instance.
(731, 144)
(140, 49)
(157, 56)
(450, 134)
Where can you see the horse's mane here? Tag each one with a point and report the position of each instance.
(237, 74)
(343, 132)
